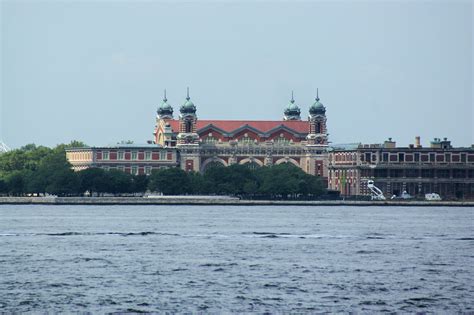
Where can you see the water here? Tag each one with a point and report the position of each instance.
(236, 259)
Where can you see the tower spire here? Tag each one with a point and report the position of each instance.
(292, 98)
(317, 94)
(187, 94)
(164, 96)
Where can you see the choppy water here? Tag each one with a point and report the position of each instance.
(236, 259)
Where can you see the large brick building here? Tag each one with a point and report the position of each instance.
(418, 170)
(194, 145)
(202, 143)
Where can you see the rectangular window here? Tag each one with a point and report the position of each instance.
(417, 157)
(385, 157)
(162, 155)
(105, 155)
(368, 157)
(134, 155)
(121, 168)
(147, 155)
(120, 155)
(134, 170)
(148, 170)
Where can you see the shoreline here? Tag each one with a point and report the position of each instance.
(219, 201)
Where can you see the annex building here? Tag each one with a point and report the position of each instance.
(415, 169)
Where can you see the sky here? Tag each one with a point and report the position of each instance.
(95, 71)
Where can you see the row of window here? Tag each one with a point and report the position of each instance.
(415, 173)
(416, 157)
(135, 156)
(134, 170)
(248, 140)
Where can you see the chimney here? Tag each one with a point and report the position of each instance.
(436, 143)
(389, 144)
(445, 144)
(417, 142)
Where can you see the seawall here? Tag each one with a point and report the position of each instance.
(184, 200)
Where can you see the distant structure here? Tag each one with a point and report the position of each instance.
(3, 147)
(204, 143)
(416, 170)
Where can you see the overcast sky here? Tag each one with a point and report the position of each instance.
(95, 70)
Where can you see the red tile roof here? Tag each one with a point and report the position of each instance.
(261, 125)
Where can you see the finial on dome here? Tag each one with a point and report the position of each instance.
(292, 98)
(164, 97)
(317, 94)
(187, 94)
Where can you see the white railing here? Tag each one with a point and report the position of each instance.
(377, 194)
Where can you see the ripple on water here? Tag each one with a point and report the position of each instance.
(235, 260)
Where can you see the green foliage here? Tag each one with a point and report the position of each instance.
(170, 181)
(36, 169)
(3, 187)
(139, 183)
(279, 181)
(63, 183)
(118, 182)
(92, 180)
(16, 183)
(230, 180)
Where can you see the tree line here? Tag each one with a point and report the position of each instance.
(39, 170)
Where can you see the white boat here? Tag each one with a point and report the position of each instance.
(432, 197)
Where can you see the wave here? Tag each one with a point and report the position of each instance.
(145, 233)
(289, 235)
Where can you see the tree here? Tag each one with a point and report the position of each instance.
(118, 182)
(63, 183)
(16, 183)
(92, 180)
(230, 180)
(284, 180)
(3, 187)
(198, 184)
(139, 183)
(171, 181)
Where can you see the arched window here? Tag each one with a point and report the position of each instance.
(210, 139)
(213, 164)
(281, 140)
(247, 140)
(189, 126)
(318, 127)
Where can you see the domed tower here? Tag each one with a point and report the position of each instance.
(317, 123)
(292, 111)
(165, 111)
(187, 123)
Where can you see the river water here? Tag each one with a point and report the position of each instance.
(215, 259)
